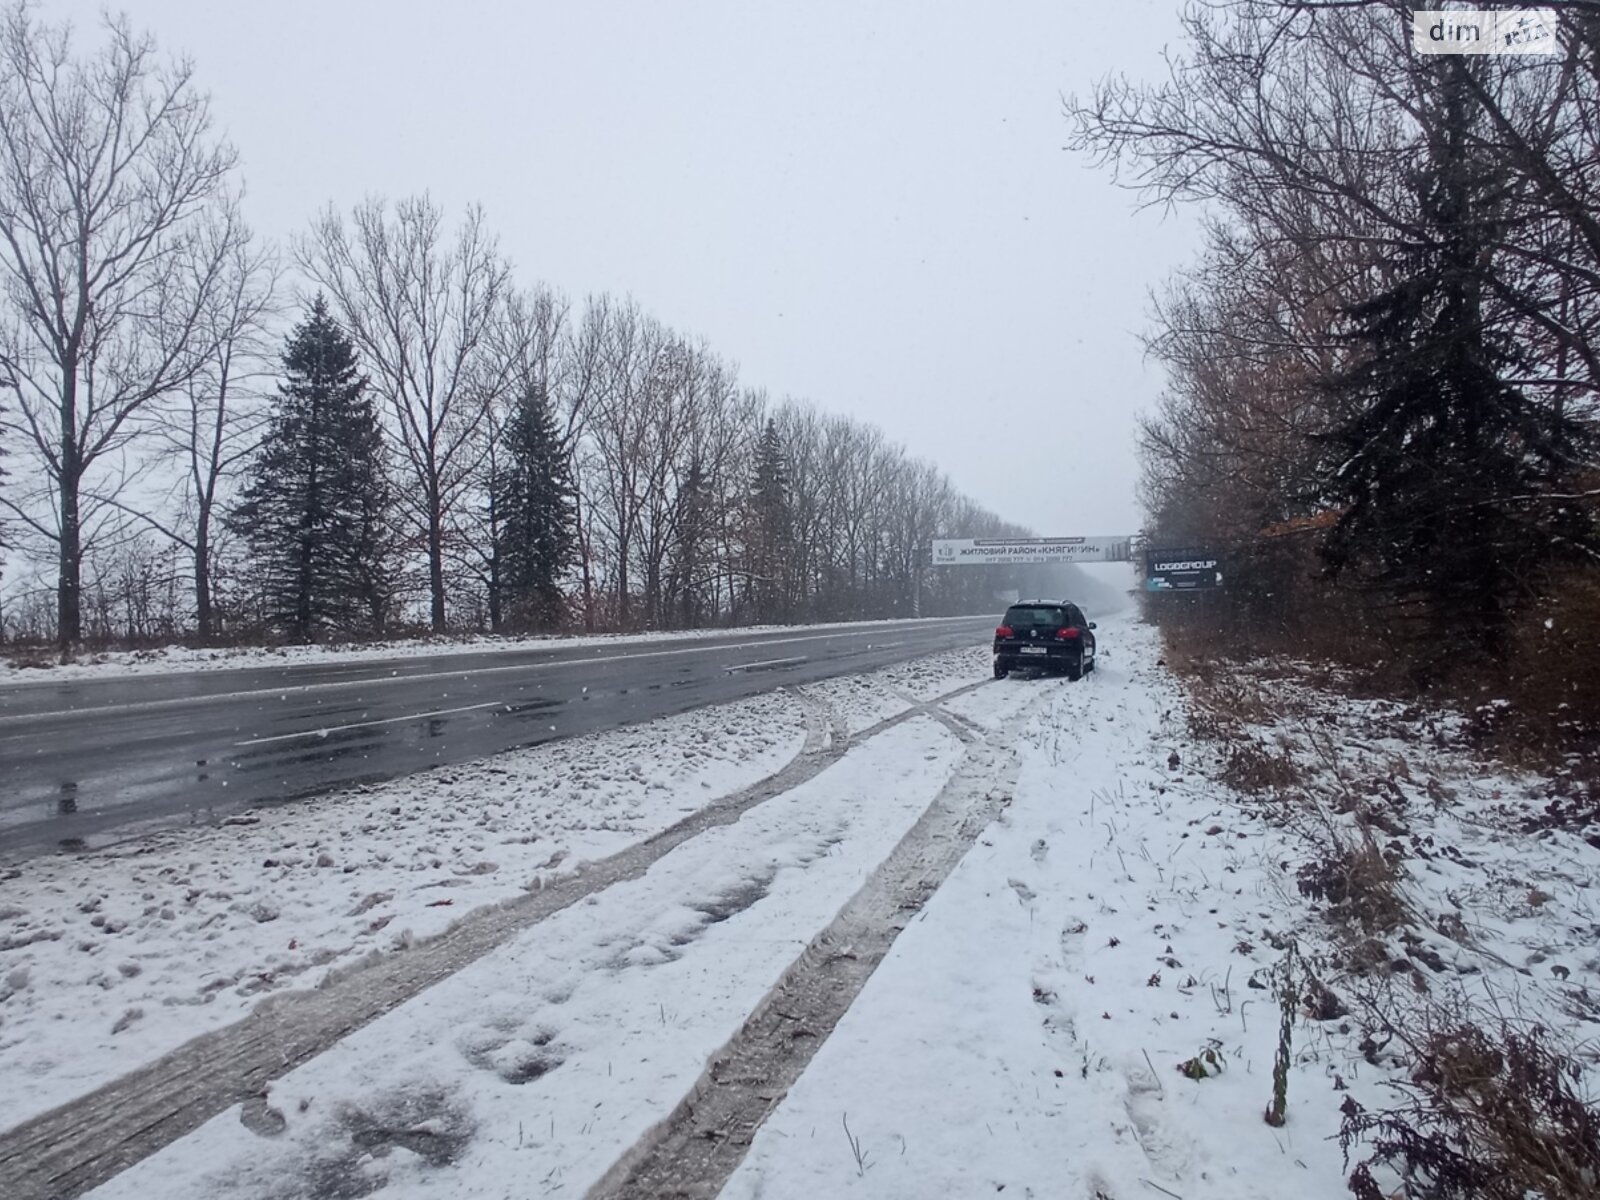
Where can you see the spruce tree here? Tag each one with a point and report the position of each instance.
(1447, 476)
(768, 527)
(532, 504)
(315, 507)
(694, 529)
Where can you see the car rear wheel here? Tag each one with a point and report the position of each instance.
(1075, 669)
(1002, 668)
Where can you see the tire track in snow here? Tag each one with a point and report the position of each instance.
(691, 1153)
(69, 1150)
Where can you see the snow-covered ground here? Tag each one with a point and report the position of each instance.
(40, 667)
(551, 1056)
(1129, 915)
(1088, 1008)
(109, 960)
(1023, 1035)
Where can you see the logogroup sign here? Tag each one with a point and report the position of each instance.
(988, 552)
(1182, 570)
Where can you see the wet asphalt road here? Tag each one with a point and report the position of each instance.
(87, 762)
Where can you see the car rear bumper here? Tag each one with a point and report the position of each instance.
(1023, 653)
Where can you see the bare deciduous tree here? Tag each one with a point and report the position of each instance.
(618, 434)
(106, 165)
(210, 426)
(422, 309)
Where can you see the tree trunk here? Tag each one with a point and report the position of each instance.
(202, 578)
(583, 553)
(623, 549)
(436, 562)
(302, 601)
(652, 594)
(69, 607)
(495, 617)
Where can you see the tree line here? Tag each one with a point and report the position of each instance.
(1383, 367)
(428, 444)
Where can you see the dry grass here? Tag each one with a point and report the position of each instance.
(1487, 1108)
(1359, 885)
(1347, 869)
(30, 658)
(1489, 1113)
(1537, 711)
(1277, 605)
(1552, 683)
(1223, 704)
(1256, 768)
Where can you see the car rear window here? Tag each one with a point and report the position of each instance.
(1029, 616)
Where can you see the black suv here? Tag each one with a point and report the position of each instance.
(1052, 635)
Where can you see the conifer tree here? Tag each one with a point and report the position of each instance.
(315, 509)
(689, 549)
(531, 496)
(768, 527)
(1449, 477)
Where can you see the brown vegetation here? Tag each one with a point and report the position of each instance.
(1486, 1114)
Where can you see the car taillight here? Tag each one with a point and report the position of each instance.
(1003, 631)
(1064, 635)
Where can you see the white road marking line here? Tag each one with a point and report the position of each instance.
(771, 662)
(326, 730)
(301, 689)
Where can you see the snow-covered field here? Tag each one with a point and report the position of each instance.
(1088, 1008)
(40, 667)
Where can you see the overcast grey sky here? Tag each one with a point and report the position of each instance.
(865, 204)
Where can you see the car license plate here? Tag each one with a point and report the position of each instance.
(1034, 650)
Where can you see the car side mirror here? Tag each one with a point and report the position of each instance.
(1091, 624)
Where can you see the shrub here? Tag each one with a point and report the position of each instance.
(1486, 1116)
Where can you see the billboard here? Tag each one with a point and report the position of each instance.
(988, 552)
(1188, 569)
